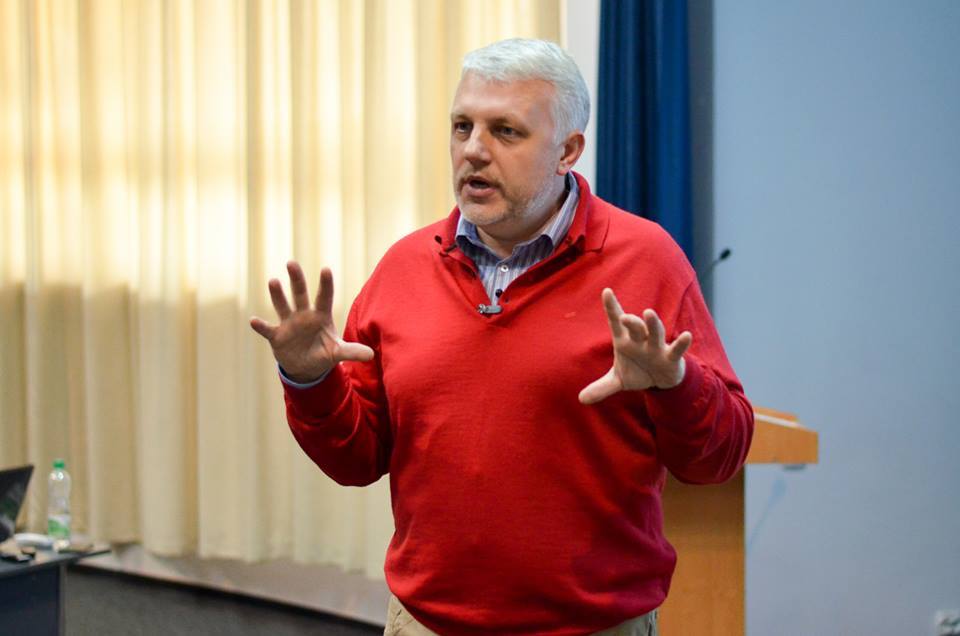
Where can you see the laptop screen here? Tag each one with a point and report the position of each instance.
(13, 489)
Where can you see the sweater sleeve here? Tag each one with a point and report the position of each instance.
(704, 425)
(342, 423)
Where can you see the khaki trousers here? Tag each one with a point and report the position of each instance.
(401, 623)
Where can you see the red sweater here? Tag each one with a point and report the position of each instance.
(519, 510)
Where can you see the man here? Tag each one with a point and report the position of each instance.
(525, 491)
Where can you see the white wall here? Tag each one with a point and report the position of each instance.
(581, 39)
(837, 184)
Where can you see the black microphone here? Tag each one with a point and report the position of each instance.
(724, 255)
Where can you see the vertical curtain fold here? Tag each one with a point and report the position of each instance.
(159, 161)
(643, 122)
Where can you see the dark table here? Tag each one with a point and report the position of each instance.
(31, 594)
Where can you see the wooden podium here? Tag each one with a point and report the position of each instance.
(705, 525)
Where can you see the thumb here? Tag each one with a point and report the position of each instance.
(601, 389)
(263, 328)
(355, 351)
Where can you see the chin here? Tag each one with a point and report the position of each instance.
(481, 215)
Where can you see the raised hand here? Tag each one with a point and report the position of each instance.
(305, 343)
(641, 357)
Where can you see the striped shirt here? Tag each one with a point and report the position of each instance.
(497, 273)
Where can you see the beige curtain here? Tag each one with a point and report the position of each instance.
(159, 161)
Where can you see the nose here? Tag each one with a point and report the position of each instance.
(475, 149)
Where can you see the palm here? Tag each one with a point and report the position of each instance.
(641, 357)
(305, 340)
(305, 343)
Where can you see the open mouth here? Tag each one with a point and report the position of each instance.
(478, 186)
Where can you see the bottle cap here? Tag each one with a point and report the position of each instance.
(59, 464)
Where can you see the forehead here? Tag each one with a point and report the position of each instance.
(479, 98)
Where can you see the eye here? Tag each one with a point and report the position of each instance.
(507, 131)
(461, 127)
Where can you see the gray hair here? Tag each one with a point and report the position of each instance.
(524, 59)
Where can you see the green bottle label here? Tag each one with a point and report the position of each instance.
(58, 529)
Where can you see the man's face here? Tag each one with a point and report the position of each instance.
(505, 160)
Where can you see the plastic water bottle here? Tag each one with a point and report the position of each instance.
(58, 504)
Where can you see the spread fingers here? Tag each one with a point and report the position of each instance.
(298, 286)
(654, 327)
(636, 326)
(679, 346)
(324, 302)
(278, 299)
(612, 306)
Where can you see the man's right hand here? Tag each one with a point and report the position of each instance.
(305, 343)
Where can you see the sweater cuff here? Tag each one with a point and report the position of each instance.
(315, 402)
(286, 379)
(678, 406)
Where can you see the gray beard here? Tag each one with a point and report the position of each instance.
(538, 202)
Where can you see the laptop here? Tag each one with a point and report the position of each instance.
(13, 490)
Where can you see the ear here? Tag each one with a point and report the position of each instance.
(572, 148)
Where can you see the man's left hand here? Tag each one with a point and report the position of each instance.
(642, 359)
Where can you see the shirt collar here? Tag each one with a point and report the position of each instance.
(554, 232)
